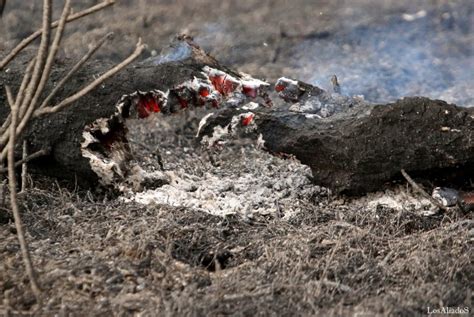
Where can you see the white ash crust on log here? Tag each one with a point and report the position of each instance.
(312, 100)
(362, 148)
(90, 134)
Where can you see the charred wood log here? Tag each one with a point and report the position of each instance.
(354, 147)
(351, 146)
(87, 141)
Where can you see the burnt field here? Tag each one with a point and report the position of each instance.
(236, 230)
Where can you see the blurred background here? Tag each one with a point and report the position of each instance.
(381, 49)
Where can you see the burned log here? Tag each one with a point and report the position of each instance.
(87, 141)
(354, 147)
(350, 145)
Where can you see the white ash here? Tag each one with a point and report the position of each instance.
(306, 107)
(260, 142)
(256, 183)
(245, 80)
(313, 101)
(222, 135)
(319, 109)
(235, 99)
(398, 199)
(203, 122)
(251, 106)
(287, 81)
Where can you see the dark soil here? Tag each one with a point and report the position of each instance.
(314, 254)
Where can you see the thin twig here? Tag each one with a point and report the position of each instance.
(41, 57)
(51, 54)
(25, 42)
(74, 69)
(31, 157)
(14, 205)
(84, 91)
(10, 99)
(420, 190)
(24, 167)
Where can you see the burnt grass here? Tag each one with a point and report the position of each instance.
(106, 257)
(97, 255)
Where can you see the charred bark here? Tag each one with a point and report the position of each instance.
(363, 147)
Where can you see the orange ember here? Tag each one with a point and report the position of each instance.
(203, 92)
(247, 119)
(147, 105)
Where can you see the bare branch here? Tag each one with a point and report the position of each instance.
(25, 42)
(14, 205)
(422, 191)
(74, 69)
(31, 157)
(138, 50)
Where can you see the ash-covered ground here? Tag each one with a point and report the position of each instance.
(239, 231)
(238, 178)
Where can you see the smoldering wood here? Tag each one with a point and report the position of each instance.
(356, 150)
(60, 134)
(364, 148)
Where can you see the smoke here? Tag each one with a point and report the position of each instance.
(178, 51)
(425, 53)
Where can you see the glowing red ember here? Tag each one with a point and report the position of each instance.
(223, 84)
(279, 88)
(146, 105)
(204, 92)
(250, 91)
(246, 120)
